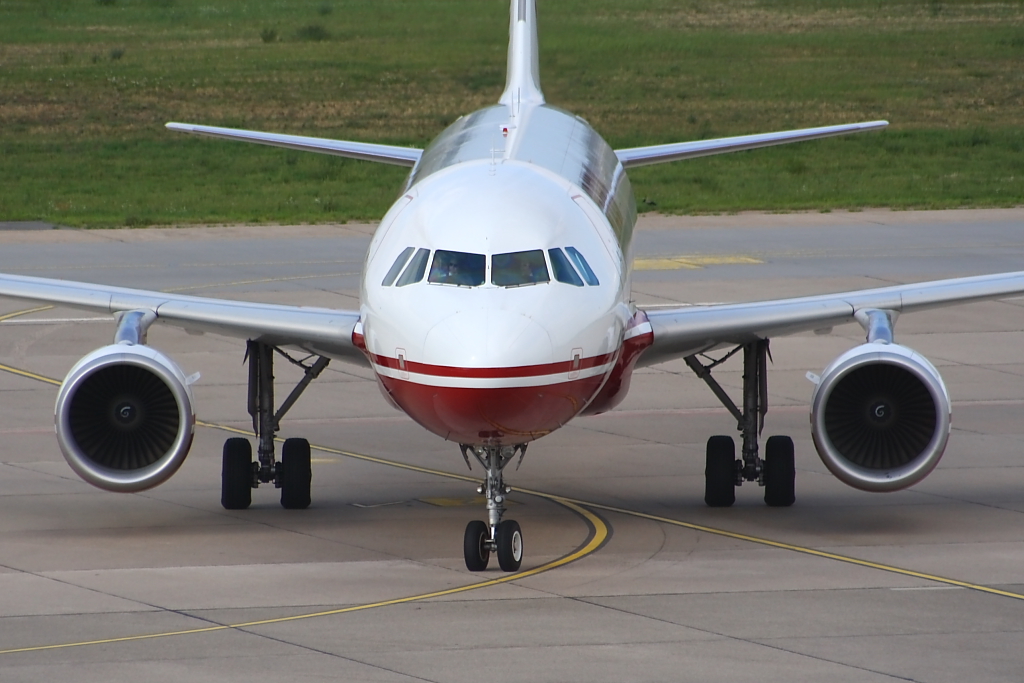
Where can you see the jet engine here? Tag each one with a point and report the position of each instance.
(124, 418)
(880, 417)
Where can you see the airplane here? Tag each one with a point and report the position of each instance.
(494, 309)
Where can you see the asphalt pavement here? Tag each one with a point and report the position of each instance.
(627, 575)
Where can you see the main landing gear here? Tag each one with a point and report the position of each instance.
(495, 536)
(723, 471)
(293, 474)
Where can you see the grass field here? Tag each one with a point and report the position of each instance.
(86, 86)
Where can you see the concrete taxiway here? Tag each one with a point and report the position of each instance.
(627, 576)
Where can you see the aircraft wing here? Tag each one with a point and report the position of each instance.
(681, 332)
(322, 331)
(386, 154)
(660, 154)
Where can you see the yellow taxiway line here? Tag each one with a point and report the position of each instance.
(18, 314)
(693, 262)
(674, 522)
(598, 536)
(804, 550)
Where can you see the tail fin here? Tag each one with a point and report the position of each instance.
(522, 82)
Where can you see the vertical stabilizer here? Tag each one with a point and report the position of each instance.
(522, 82)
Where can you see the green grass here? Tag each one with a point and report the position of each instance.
(86, 85)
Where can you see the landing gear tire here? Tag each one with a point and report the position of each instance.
(236, 475)
(296, 474)
(779, 472)
(720, 472)
(475, 546)
(509, 542)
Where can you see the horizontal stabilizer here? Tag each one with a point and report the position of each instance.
(385, 154)
(660, 154)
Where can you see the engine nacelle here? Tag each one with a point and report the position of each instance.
(124, 418)
(880, 417)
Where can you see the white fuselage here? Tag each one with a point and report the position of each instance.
(472, 357)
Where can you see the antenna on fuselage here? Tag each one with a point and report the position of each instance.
(522, 80)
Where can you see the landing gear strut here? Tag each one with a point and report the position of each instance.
(502, 537)
(723, 472)
(293, 474)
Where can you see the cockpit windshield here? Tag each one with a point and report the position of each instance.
(512, 269)
(519, 268)
(564, 271)
(414, 272)
(588, 273)
(457, 268)
(396, 268)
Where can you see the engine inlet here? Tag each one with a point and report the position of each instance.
(880, 416)
(124, 417)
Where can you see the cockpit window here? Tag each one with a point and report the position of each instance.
(519, 268)
(417, 267)
(457, 268)
(563, 270)
(584, 267)
(402, 259)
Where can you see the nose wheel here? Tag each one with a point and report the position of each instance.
(503, 538)
(477, 546)
(507, 544)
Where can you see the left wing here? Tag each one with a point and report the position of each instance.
(367, 151)
(323, 331)
(682, 332)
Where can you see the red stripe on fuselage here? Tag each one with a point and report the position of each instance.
(505, 415)
(540, 370)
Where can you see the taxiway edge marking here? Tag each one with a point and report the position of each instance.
(824, 554)
(584, 508)
(18, 314)
(29, 375)
(599, 534)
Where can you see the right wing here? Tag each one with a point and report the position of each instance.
(322, 331)
(660, 154)
(385, 154)
(682, 332)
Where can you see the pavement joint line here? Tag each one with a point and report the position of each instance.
(599, 534)
(233, 264)
(55, 321)
(674, 522)
(632, 513)
(803, 550)
(256, 282)
(595, 541)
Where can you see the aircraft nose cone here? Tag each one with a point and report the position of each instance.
(487, 338)
(475, 398)
(489, 377)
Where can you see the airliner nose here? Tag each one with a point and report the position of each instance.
(488, 376)
(487, 338)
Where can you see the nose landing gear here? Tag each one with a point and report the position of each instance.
(504, 538)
